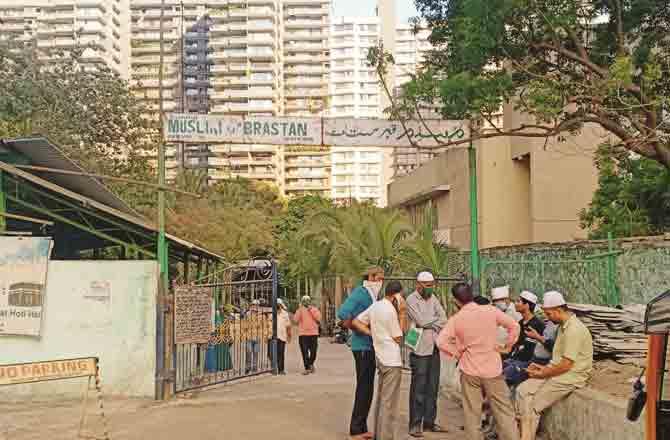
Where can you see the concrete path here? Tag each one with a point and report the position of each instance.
(314, 407)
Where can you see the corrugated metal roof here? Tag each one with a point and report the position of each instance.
(97, 201)
(44, 153)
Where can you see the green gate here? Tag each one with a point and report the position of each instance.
(591, 280)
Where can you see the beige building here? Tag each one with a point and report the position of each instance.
(307, 171)
(529, 190)
(99, 27)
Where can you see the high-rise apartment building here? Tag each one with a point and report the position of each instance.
(355, 91)
(98, 27)
(234, 57)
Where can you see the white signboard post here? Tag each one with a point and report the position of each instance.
(23, 274)
(194, 128)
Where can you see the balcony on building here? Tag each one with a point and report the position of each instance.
(305, 23)
(304, 58)
(306, 35)
(261, 11)
(301, 69)
(298, 11)
(229, 41)
(313, 93)
(305, 81)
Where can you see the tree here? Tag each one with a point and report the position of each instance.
(233, 217)
(565, 63)
(91, 114)
(296, 260)
(423, 252)
(632, 199)
(357, 237)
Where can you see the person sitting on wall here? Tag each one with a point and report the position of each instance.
(569, 369)
(514, 367)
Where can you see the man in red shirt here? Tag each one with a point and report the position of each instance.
(471, 336)
(308, 318)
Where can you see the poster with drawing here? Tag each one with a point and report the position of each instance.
(23, 275)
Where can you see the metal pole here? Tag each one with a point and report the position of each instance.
(162, 248)
(275, 282)
(613, 298)
(3, 205)
(474, 216)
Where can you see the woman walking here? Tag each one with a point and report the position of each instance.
(308, 317)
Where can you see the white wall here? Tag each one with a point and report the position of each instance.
(119, 329)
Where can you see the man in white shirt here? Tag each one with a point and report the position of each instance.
(385, 321)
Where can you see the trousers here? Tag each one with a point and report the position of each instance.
(388, 394)
(423, 390)
(365, 383)
(501, 406)
(533, 397)
(308, 347)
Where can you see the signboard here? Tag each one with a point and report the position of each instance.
(237, 130)
(374, 132)
(192, 315)
(23, 274)
(14, 374)
(197, 128)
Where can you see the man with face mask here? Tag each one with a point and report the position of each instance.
(425, 312)
(501, 299)
(358, 301)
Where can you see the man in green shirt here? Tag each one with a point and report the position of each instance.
(570, 367)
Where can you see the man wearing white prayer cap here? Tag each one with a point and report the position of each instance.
(426, 315)
(500, 297)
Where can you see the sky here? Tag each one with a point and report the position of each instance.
(404, 8)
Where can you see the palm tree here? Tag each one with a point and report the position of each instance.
(357, 237)
(424, 251)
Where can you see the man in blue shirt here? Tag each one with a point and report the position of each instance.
(356, 303)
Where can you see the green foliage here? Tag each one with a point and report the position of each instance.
(633, 197)
(91, 114)
(565, 63)
(233, 217)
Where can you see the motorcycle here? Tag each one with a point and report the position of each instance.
(340, 335)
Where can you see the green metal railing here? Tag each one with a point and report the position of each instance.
(592, 279)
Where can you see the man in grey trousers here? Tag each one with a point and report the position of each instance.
(425, 312)
(385, 321)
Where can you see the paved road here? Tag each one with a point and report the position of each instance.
(314, 407)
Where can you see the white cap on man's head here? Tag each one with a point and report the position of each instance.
(500, 293)
(425, 277)
(280, 302)
(553, 299)
(528, 296)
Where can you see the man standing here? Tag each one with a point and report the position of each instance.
(358, 301)
(384, 322)
(427, 314)
(522, 353)
(570, 367)
(308, 318)
(470, 336)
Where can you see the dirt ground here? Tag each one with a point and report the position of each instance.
(314, 407)
(613, 378)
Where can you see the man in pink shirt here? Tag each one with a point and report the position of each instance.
(308, 317)
(470, 336)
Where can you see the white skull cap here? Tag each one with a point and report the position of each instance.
(425, 277)
(553, 299)
(500, 293)
(529, 296)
